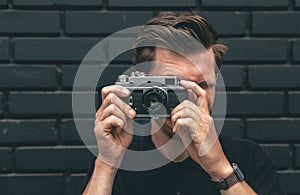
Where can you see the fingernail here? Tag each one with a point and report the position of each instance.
(125, 91)
(173, 129)
(183, 81)
(131, 113)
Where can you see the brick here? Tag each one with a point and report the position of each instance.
(296, 50)
(249, 50)
(4, 55)
(294, 107)
(297, 3)
(232, 76)
(27, 132)
(5, 160)
(3, 2)
(51, 49)
(48, 104)
(70, 134)
(290, 180)
(233, 128)
(270, 130)
(1, 103)
(75, 184)
(273, 77)
(244, 3)
(55, 3)
(227, 23)
(40, 103)
(69, 73)
(120, 45)
(154, 3)
(87, 22)
(27, 77)
(31, 184)
(108, 77)
(297, 155)
(250, 103)
(50, 159)
(280, 154)
(279, 23)
(22, 22)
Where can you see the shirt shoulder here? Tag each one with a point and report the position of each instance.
(259, 169)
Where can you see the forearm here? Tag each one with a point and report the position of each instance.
(102, 179)
(240, 188)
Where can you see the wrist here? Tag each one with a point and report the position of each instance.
(221, 172)
(104, 167)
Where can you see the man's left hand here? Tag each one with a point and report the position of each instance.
(195, 126)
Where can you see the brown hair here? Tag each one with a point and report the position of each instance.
(189, 23)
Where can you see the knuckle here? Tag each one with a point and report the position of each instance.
(180, 121)
(96, 122)
(210, 120)
(189, 121)
(122, 123)
(126, 107)
(110, 96)
(180, 114)
(185, 112)
(173, 117)
(96, 129)
(105, 90)
(185, 102)
(111, 118)
(97, 114)
(111, 107)
(97, 126)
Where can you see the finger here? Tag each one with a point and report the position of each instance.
(193, 86)
(200, 93)
(184, 123)
(117, 130)
(110, 122)
(184, 127)
(114, 99)
(117, 89)
(98, 130)
(185, 104)
(184, 113)
(112, 109)
(96, 121)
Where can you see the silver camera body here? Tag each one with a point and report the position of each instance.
(152, 96)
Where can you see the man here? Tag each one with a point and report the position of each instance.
(208, 165)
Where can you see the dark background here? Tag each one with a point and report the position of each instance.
(43, 41)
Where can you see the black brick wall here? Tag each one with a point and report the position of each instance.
(43, 42)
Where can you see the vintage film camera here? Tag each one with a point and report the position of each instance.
(152, 96)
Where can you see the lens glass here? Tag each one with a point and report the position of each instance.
(154, 99)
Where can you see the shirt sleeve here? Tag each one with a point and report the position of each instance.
(262, 172)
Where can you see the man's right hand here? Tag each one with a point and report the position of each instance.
(113, 125)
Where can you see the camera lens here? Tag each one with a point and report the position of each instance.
(154, 99)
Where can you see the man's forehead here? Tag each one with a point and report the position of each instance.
(199, 67)
(203, 62)
(203, 57)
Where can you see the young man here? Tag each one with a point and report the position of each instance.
(208, 165)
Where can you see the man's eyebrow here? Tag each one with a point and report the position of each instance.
(210, 82)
